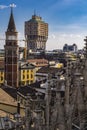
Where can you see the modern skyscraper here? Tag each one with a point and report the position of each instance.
(36, 33)
(11, 54)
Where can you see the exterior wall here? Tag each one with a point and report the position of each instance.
(36, 28)
(36, 32)
(27, 76)
(11, 63)
(1, 77)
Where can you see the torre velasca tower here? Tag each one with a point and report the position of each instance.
(36, 33)
(11, 54)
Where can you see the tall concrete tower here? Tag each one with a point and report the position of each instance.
(36, 32)
(11, 54)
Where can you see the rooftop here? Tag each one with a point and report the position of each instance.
(7, 96)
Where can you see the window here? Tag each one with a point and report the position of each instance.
(31, 76)
(9, 43)
(32, 71)
(27, 71)
(27, 76)
(14, 43)
(9, 76)
(9, 60)
(5, 59)
(31, 82)
(1, 78)
(14, 52)
(9, 52)
(15, 60)
(27, 82)
(23, 76)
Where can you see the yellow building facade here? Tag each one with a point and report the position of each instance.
(27, 74)
(1, 71)
(1, 76)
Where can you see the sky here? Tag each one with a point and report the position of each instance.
(67, 20)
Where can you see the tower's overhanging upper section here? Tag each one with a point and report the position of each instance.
(11, 24)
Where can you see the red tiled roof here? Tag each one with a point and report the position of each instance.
(38, 62)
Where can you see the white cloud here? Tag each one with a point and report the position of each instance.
(67, 27)
(52, 36)
(5, 6)
(62, 38)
